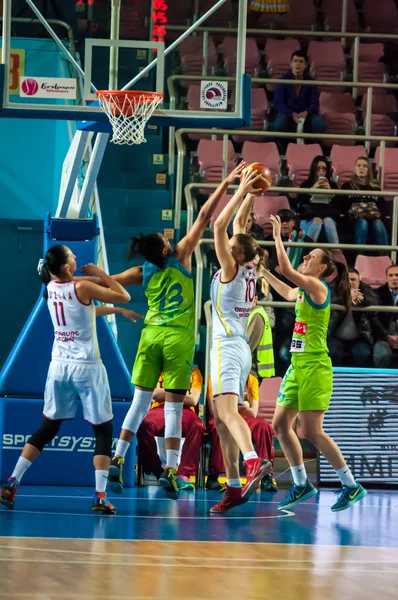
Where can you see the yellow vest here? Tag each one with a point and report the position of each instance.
(264, 350)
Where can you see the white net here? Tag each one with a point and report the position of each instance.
(128, 114)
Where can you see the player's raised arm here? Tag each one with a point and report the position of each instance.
(187, 245)
(113, 293)
(310, 284)
(239, 225)
(223, 250)
(131, 276)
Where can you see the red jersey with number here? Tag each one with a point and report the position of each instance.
(232, 302)
(75, 332)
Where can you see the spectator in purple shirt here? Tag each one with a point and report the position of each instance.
(297, 103)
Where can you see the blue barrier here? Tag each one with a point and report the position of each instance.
(68, 459)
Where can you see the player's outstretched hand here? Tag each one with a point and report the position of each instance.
(235, 173)
(276, 226)
(92, 270)
(249, 177)
(131, 315)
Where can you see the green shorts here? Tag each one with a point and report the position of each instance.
(307, 384)
(167, 350)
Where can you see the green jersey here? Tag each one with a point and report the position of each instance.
(311, 326)
(170, 294)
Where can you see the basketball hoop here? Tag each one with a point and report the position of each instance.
(128, 112)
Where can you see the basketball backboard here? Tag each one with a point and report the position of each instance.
(43, 79)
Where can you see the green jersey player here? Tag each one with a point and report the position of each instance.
(307, 386)
(167, 342)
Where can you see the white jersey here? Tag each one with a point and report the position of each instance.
(75, 331)
(232, 302)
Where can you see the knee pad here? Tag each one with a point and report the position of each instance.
(138, 410)
(45, 434)
(173, 419)
(103, 439)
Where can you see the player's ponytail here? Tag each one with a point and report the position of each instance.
(341, 282)
(263, 262)
(151, 247)
(56, 258)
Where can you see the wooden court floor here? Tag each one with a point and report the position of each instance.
(52, 547)
(144, 570)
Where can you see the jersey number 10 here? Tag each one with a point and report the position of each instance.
(250, 290)
(60, 322)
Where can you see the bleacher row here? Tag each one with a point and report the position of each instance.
(298, 161)
(303, 15)
(328, 61)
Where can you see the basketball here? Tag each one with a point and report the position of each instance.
(265, 180)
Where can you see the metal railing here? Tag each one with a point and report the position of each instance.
(181, 152)
(176, 139)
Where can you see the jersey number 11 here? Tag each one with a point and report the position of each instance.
(62, 322)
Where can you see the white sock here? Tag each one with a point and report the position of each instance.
(299, 475)
(172, 458)
(22, 465)
(235, 483)
(121, 448)
(346, 477)
(101, 479)
(250, 455)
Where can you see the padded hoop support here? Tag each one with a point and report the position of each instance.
(25, 371)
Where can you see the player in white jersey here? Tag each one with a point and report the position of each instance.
(232, 293)
(76, 370)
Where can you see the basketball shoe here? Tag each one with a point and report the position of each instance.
(102, 505)
(232, 497)
(168, 480)
(297, 494)
(349, 496)
(8, 492)
(115, 478)
(256, 469)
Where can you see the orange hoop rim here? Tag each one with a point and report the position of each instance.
(119, 94)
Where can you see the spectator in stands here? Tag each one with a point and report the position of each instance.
(351, 333)
(385, 325)
(252, 228)
(365, 209)
(261, 430)
(320, 210)
(296, 104)
(192, 431)
(259, 330)
(290, 233)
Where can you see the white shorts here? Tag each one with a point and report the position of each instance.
(230, 364)
(71, 381)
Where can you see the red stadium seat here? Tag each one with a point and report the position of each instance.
(332, 12)
(390, 167)
(381, 123)
(343, 159)
(372, 269)
(338, 110)
(265, 206)
(327, 62)
(252, 56)
(260, 110)
(381, 17)
(211, 161)
(299, 158)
